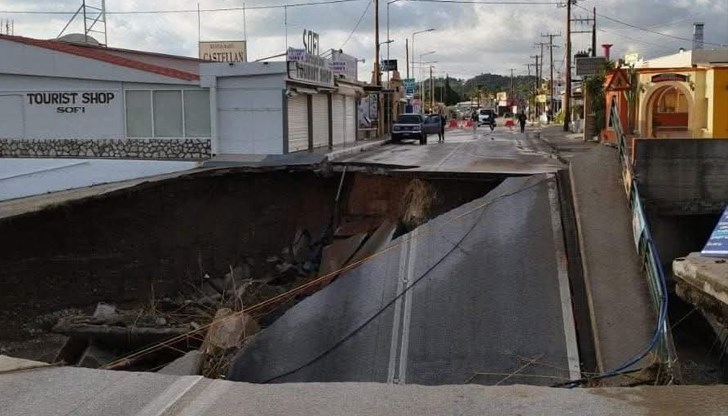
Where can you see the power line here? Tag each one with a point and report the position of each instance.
(648, 30)
(369, 4)
(492, 2)
(635, 40)
(180, 11)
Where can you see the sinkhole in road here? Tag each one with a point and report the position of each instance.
(165, 258)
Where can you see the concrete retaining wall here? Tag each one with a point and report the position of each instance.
(682, 176)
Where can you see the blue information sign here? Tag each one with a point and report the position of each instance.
(717, 245)
(409, 86)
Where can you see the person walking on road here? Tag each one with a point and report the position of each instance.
(441, 132)
(522, 121)
(474, 119)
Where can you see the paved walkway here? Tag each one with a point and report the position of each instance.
(623, 318)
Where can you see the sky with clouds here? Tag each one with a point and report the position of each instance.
(469, 39)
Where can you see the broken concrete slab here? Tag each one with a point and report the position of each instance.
(338, 253)
(8, 364)
(96, 356)
(189, 364)
(703, 281)
(353, 226)
(377, 241)
(407, 315)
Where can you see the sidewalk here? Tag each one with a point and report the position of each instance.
(303, 158)
(622, 314)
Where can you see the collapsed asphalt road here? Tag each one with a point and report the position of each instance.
(477, 295)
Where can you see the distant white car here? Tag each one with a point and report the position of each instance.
(486, 117)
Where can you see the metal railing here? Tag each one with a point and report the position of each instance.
(660, 343)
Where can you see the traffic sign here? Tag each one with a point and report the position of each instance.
(409, 86)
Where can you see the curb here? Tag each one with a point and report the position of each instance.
(599, 355)
(337, 154)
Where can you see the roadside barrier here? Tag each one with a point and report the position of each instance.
(651, 263)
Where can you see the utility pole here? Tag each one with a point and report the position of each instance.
(594, 33)
(537, 86)
(539, 70)
(406, 51)
(551, 46)
(432, 91)
(567, 96)
(530, 107)
(513, 97)
(377, 75)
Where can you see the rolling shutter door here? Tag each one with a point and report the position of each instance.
(298, 123)
(350, 123)
(320, 114)
(337, 109)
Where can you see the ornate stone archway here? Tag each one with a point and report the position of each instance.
(647, 106)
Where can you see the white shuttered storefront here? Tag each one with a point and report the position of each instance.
(350, 120)
(297, 123)
(320, 118)
(337, 114)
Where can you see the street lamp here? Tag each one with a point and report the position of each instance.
(413, 46)
(422, 90)
(388, 39)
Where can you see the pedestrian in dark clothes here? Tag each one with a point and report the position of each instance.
(522, 121)
(441, 133)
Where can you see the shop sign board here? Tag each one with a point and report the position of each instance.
(339, 67)
(590, 65)
(296, 55)
(670, 77)
(389, 65)
(223, 51)
(306, 64)
(71, 102)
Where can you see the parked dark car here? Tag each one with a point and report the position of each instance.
(415, 126)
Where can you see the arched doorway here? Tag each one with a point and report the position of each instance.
(669, 113)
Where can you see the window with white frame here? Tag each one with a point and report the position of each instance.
(167, 113)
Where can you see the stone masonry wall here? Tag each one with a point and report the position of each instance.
(154, 149)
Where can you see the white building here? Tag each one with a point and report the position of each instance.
(281, 107)
(88, 104)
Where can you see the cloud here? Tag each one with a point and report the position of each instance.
(470, 39)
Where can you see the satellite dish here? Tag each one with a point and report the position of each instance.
(79, 39)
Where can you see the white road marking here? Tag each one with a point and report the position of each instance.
(407, 311)
(396, 321)
(572, 349)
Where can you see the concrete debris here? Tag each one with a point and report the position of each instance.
(8, 364)
(301, 246)
(337, 254)
(96, 356)
(189, 364)
(228, 330)
(377, 241)
(354, 226)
